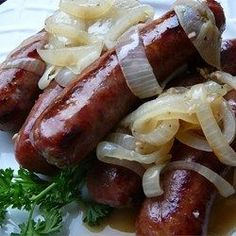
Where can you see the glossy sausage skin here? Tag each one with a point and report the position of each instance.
(183, 209)
(26, 155)
(91, 106)
(104, 180)
(185, 206)
(19, 87)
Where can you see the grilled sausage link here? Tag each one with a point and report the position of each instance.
(113, 185)
(91, 106)
(184, 207)
(26, 155)
(19, 85)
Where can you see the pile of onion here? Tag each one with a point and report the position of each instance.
(81, 30)
(198, 117)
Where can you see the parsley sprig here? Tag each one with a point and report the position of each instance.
(27, 191)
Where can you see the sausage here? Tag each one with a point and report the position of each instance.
(25, 153)
(91, 106)
(185, 206)
(107, 195)
(104, 180)
(19, 86)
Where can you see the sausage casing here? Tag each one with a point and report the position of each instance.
(19, 86)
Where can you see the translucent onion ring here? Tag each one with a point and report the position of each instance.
(135, 65)
(212, 132)
(151, 181)
(198, 22)
(162, 134)
(224, 188)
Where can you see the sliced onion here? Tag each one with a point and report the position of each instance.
(47, 77)
(86, 60)
(61, 24)
(124, 140)
(58, 42)
(198, 22)
(229, 122)
(65, 76)
(160, 135)
(60, 17)
(135, 65)
(86, 9)
(131, 165)
(110, 27)
(71, 56)
(115, 151)
(193, 140)
(126, 20)
(32, 65)
(162, 152)
(225, 78)
(151, 181)
(224, 188)
(162, 105)
(156, 115)
(213, 134)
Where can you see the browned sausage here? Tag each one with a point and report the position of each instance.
(25, 153)
(91, 106)
(184, 207)
(104, 180)
(19, 86)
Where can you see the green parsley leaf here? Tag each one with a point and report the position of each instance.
(27, 191)
(95, 213)
(51, 223)
(6, 177)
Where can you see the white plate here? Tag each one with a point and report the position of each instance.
(21, 19)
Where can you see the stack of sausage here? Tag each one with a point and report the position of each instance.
(65, 124)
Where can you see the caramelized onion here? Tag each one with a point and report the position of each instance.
(62, 24)
(116, 151)
(151, 181)
(229, 122)
(77, 58)
(198, 22)
(197, 116)
(129, 18)
(124, 140)
(224, 78)
(135, 65)
(86, 9)
(65, 76)
(47, 77)
(162, 134)
(224, 188)
(193, 140)
(212, 131)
